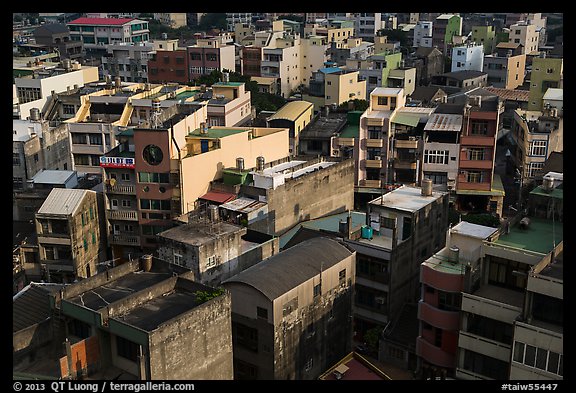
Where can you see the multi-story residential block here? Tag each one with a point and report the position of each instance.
(230, 104)
(334, 31)
(171, 19)
(293, 326)
(281, 60)
(171, 65)
(423, 34)
(546, 73)
(469, 57)
(536, 134)
(486, 36)
(511, 323)
(441, 148)
(210, 54)
(477, 186)
(313, 56)
(444, 276)
(96, 33)
(343, 86)
(56, 37)
(214, 250)
(69, 238)
(376, 69)
(526, 35)
(113, 325)
(33, 91)
(366, 25)
(464, 80)
(403, 77)
(351, 48)
(128, 61)
(240, 17)
(445, 27)
(242, 31)
(295, 116)
(506, 66)
(381, 45)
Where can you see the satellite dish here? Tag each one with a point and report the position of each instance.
(112, 182)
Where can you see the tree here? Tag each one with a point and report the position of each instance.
(213, 21)
(396, 35)
(372, 338)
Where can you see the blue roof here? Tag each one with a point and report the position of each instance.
(330, 70)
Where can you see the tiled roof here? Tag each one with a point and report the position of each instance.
(507, 94)
(101, 21)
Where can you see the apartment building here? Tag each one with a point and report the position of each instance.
(343, 86)
(469, 57)
(96, 33)
(445, 27)
(293, 326)
(295, 116)
(506, 67)
(428, 63)
(423, 34)
(376, 69)
(128, 61)
(230, 104)
(312, 56)
(210, 54)
(511, 323)
(350, 48)
(171, 19)
(56, 37)
(366, 25)
(170, 65)
(526, 35)
(333, 31)
(486, 36)
(69, 238)
(444, 276)
(232, 18)
(113, 327)
(546, 73)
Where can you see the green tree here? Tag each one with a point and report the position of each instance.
(213, 21)
(372, 338)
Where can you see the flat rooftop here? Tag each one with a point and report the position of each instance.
(99, 297)
(502, 295)
(197, 234)
(540, 236)
(406, 198)
(216, 133)
(473, 230)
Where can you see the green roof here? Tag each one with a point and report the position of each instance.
(555, 193)
(537, 237)
(228, 83)
(350, 131)
(406, 119)
(217, 132)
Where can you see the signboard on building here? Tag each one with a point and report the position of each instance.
(117, 162)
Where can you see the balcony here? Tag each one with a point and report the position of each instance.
(124, 240)
(447, 320)
(434, 354)
(484, 346)
(450, 280)
(373, 163)
(370, 183)
(87, 149)
(345, 141)
(475, 164)
(127, 189)
(126, 215)
(477, 140)
(404, 164)
(374, 143)
(491, 308)
(400, 144)
(54, 239)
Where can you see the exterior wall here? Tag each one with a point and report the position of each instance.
(312, 57)
(206, 356)
(169, 66)
(468, 57)
(340, 88)
(484, 35)
(451, 169)
(208, 166)
(505, 72)
(314, 195)
(422, 30)
(233, 113)
(545, 72)
(96, 150)
(525, 35)
(408, 82)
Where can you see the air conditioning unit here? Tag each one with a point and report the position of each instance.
(379, 300)
(378, 158)
(411, 138)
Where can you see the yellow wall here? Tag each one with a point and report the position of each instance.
(341, 86)
(199, 170)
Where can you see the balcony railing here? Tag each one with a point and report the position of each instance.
(122, 239)
(370, 183)
(126, 189)
(127, 215)
(374, 143)
(345, 141)
(400, 144)
(404, 164)
(373, 163)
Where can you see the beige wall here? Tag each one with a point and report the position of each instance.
(199, 170)
(341, 86)
(516, 66)
(528, 37)
(312, 56)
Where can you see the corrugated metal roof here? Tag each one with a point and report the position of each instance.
(292, 110)
(292, 267)
(63, 201)
(444, 122)
(554, 94)
(220, 197)
(32, 305)
(49, 176)
(243, 205)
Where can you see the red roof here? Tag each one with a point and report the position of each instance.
(219, 197)
(101, 21)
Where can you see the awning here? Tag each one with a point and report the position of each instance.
(218, 197)
(408, 120)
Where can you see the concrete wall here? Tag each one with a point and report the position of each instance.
(326, 191)
(338, 88)
(32, 337)
(199, 170)
(197, 346)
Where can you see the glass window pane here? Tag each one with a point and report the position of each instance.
(541, 356)
(530, 358)
(553, 360)
(519, 352)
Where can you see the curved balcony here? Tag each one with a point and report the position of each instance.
(452, 280)
(434, 355)
(447, 320)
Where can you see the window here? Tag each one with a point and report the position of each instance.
(436, 156)
(93, 238)
(474, 177)
(49, 253)
(154, 204)
(479, 128)
(79, 139)
(79, 329)
(317, 290)
(387, 222)
(125, 176)
(476, 153)
(95, 139)
(126, 203)
(449, 301)
(407, 228)
(91, 213)
(126, 349)
(538, 148)
(382, 100)
(309, 364)
(15, 158)
(262, 313)
(534, 168)
(178, 259)
(245, 336)
(114, 202)
(342, 276)
(85, 244)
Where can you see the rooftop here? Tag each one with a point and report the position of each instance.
(406, 198)
(199, 233)
(292, 110)
(350, 131)
(32, 305)
(464, 74)
(287, 270)
(49, 176)
(354, 367)
(554, 94)
(215, 133)
(444, 122)
(502, 295)
(101, 21)
(540, 236)
(507, 94)
(63, 201)
(386, 91)
(472, 230)
(243, 205)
